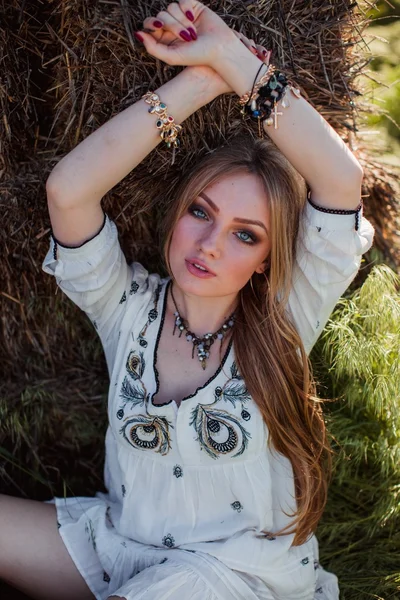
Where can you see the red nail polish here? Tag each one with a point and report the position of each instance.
(192, 33)
(189, 15)
(138, 36)
(158, 24)
(184, 35)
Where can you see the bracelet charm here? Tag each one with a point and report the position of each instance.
(169, 130)
(261, 104)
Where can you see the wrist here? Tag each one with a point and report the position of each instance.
(238, 66)
(205, 83)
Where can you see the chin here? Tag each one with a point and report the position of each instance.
(190, 284)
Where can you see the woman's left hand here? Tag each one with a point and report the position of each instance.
(187, 33)
(159, 33)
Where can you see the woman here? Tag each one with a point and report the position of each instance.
(216, 451)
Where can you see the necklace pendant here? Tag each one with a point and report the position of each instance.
(203, 364)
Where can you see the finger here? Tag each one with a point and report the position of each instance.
(176, 22)
(264, 54)
(159, 50)
(248, 43)
(154, 26)
(188, 9)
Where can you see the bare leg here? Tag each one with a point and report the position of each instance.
(33, 557)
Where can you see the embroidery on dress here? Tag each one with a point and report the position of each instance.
(234, 390)
(108, 516)
(89, 529)
(123, 299)
(134, 287)
(237, 506)
(218, 431)
(106, 577)
(144, 432)
(133, 392)
(168, 540)
(152, 315)
(178, 471)
(148, 433)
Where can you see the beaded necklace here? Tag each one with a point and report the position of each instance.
(205, 342)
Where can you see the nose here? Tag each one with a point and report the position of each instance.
(210, 242)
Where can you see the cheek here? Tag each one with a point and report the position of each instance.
(180, 236)
(240, 266)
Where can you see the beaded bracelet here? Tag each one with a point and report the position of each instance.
(251, 95)
(261, 104)
(341, 211)
(169, 130)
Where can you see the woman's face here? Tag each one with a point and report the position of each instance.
(226, 230)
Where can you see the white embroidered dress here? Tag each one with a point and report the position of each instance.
(190, 488)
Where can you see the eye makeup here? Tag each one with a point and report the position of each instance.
(194, 208)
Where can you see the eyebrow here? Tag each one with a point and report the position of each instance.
(236, 219)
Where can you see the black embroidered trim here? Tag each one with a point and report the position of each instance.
(340, 211)
(57, 243)
(155, 358)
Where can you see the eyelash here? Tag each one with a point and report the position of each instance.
(253, 238)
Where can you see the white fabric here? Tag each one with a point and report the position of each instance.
(193, 484)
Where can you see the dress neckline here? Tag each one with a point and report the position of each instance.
(155, 354)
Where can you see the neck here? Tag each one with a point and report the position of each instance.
(202, 314)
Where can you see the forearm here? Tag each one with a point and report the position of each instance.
(306, 139)
(107, 155)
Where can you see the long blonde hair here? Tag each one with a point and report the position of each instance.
(269, 352)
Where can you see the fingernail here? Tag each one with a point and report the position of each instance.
(184, 35)
(158, 24)
(189, 15)
(138, 37)
(192, 33)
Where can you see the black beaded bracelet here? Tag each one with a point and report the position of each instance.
(268, 95)
(340, 211)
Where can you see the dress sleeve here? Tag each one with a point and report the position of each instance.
(97, 278)
(328, 257)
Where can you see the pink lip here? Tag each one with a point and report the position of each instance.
(195, 271)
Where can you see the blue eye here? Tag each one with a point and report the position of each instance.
(195, 210)
(249, 239)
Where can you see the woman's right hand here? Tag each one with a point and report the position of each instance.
(165, 42)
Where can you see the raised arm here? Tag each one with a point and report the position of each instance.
(306, 139)
(77, 184)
